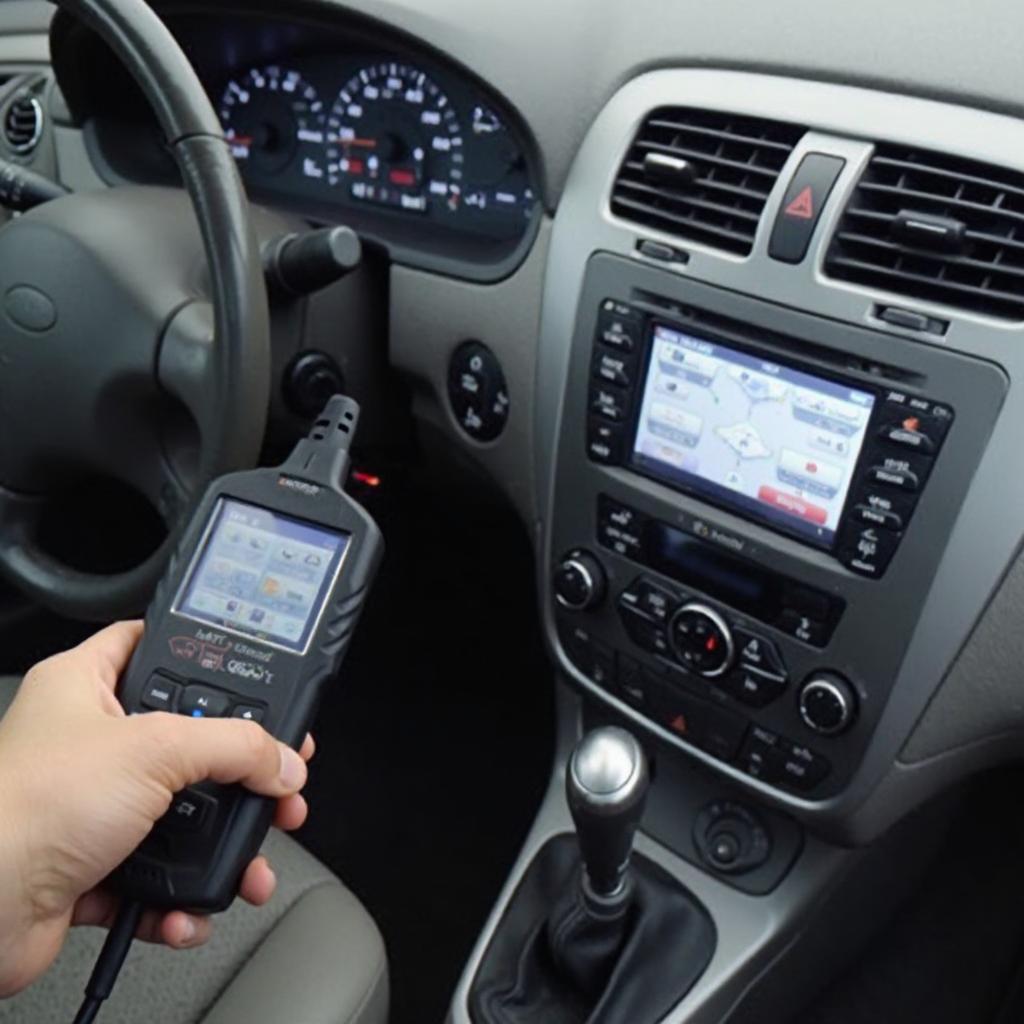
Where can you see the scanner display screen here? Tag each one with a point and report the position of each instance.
(261, 574)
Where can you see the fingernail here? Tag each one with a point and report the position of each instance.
(293, 769)
(188, 932)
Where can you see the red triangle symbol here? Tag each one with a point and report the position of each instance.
(803, 205)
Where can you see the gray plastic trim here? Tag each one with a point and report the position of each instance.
(985, 539)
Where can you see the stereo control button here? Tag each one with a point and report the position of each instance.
(702, 641)
(881, 500)
(614, 368)
(655, 601)
(876, 517)
(761, 756)
(919, 415)
(911, 438)
(644, 633)
(755, 688)
(620, 528)
(578, 644)
(759, 653)
(803, 628)
(619, 327)
(800, 767)
(610, 403)
(901, 480)
(867, 550)
(604, 443)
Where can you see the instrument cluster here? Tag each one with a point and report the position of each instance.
(382, 136)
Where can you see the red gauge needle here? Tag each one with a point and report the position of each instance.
(362, 143)
(241, 140)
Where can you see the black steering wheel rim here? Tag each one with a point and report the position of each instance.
(238, 382)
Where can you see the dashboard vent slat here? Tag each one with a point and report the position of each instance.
(980, 268)
(23, 124)
(735, 161)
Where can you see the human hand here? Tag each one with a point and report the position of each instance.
(81, 785)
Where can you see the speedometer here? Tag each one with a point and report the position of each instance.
(393, 139)
(272, 116)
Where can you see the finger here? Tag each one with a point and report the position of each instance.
(291, 813)
(308, 748)
(99, 908)
(184, 751)
(185, 931)
(109, 650)
(258, 883)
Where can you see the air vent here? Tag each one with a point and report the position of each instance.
(702, 175)
(935, 227)
(23, 124)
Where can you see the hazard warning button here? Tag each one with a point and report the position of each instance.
(802, 205)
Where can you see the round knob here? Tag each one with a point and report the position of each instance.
(606, 787)
(580, 582)
(828, 704)
(702, 640)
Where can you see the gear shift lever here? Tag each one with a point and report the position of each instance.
(614, 942)
(606, 786)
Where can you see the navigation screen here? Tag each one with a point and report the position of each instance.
(262, 574)
(772, 442)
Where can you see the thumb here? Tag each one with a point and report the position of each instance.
(183, 751)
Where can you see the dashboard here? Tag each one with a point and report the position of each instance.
(765, 436)
(358, 129)
(703, 298)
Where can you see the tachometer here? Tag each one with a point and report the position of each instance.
(394, 139)
(272, 116)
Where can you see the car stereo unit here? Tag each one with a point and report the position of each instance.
(748, 506)
(834, 463)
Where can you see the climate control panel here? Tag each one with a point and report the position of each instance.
(710, 677)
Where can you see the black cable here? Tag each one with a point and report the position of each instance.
(109, 962)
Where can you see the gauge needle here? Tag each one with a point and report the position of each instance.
(241, 140)
(363, 143)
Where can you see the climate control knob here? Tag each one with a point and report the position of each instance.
(702, 640)
(828, 704)
(580, 582)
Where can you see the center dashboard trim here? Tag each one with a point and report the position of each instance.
(840, 118)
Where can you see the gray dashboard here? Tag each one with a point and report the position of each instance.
(944, 77)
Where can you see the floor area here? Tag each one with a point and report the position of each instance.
(435, 746)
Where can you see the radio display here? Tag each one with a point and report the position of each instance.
(768, 441)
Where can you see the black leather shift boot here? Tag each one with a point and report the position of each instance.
(551, 961)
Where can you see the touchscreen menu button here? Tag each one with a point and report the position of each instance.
(867, 550)
(614, 368)
(609, 403)
(619, 327)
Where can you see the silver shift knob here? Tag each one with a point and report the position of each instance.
(606, 786)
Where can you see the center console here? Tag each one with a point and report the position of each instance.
(774, 503)
(750, 504)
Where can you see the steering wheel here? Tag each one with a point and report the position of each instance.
(106, 329)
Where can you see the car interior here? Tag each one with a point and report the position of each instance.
(689, 689)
